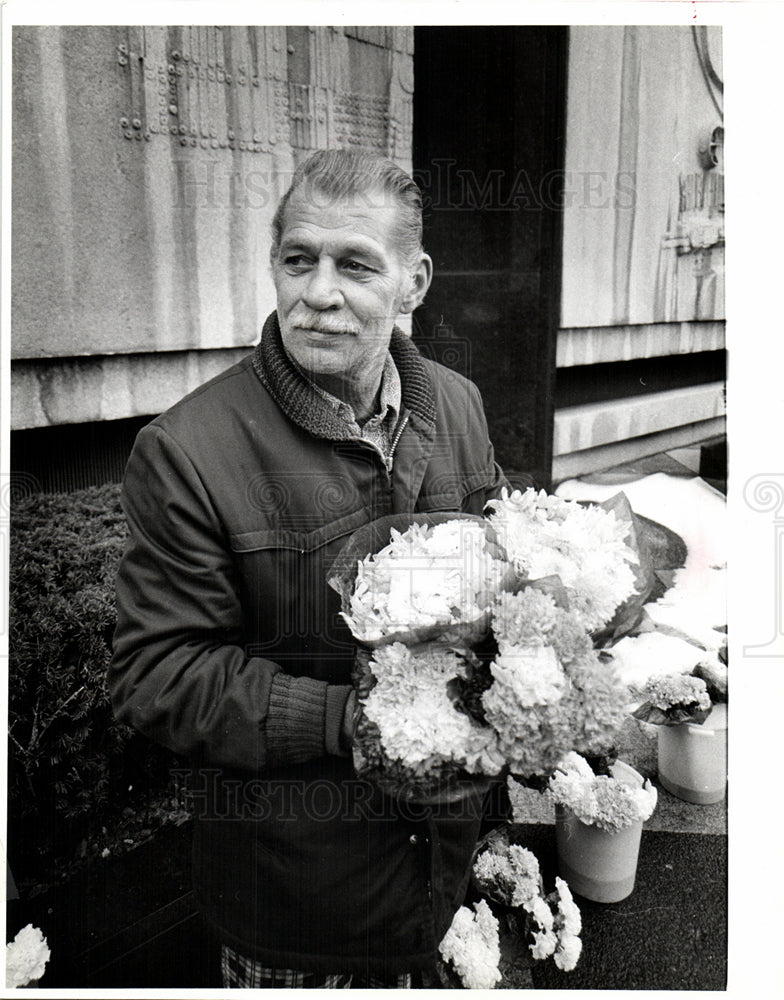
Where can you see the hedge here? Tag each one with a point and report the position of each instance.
(70, 762)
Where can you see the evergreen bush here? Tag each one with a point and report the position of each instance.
(70, 762)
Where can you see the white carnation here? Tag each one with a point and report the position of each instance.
(426, 576)
(533, 673)
(472, 946)
(584, 546)
(541, 913)
(25, 957)
(544, 944)
(568, 952)
(416, 718)
(567, 908)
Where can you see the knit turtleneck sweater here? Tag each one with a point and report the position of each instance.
(299, 400)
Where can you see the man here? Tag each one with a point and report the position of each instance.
(229, 647)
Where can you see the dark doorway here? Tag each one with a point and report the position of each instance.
(489, 134)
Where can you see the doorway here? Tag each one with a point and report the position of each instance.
(489, 136)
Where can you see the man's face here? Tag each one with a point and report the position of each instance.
(340, 283)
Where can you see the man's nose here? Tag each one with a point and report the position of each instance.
(323, 288)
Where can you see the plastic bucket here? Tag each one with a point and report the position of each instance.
(693, 758)
(598, 865)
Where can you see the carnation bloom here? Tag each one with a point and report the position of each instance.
(568, 924)
(471, 944)
(567, 908)
(440, 575)
(584, 546)
(532, 672)
(550, 692)
(568, 952)
(600, 800)
(683, 690)
(542, 913)
(526, 618)
(25, 957)
(508, 873)
(544, 944)
(417, 719)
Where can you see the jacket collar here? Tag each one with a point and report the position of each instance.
(302, 404)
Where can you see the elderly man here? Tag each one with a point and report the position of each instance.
(229, 648)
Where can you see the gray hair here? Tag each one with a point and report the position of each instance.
(340, 174)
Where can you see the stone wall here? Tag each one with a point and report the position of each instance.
(147, 163)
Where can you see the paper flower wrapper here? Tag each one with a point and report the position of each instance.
(642, 536)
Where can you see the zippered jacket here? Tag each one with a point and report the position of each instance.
(230, 650)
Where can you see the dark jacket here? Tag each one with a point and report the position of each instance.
(229, 649)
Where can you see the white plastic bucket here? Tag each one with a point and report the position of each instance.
(693, 758)
(598, 865)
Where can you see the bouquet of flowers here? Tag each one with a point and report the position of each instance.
(508, 874)
(586, 547)
(475, 647)
(675, 698)
(551, 690)
(417, 591)
(600, 800)
(411, 735)
(434, 579)
(471, 947)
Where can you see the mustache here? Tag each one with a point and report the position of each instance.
(320, 324)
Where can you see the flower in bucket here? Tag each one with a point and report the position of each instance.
(25, 957)
(584, 546)
(675, 698)
(471, 947)
(509, 874)
(600, 800)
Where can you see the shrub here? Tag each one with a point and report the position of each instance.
(70, 761)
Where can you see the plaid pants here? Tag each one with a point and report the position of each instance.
(240, 972)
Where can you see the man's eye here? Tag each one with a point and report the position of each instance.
(296, 260)
(356, 267)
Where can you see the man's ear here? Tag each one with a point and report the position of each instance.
(419, 282)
